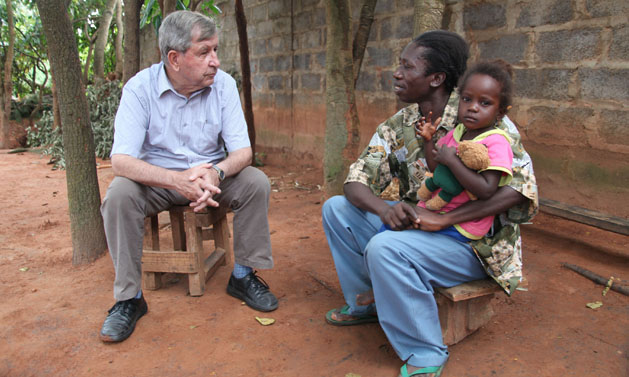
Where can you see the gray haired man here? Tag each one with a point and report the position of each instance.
(175, 121)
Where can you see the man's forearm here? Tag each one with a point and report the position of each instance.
(505, 198)
(362, 197)
(142, 172)
(236, 161)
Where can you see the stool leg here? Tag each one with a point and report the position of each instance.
(178, 230)
(151, 280)
(194, 241)
(221, 239)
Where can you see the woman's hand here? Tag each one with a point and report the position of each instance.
(399, 216)
(430, 221)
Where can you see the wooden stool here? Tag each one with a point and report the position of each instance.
(189, 230)
(464, 308)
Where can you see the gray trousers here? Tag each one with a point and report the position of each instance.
(127, 203)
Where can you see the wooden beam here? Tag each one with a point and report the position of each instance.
(585, 216)
(184, 262)
(470, 290)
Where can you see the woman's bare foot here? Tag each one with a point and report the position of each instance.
(365, 298)
(410, 369)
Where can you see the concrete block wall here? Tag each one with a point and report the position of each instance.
(571, 61)
(571, 72)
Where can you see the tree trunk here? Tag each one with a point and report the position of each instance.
(7, 85)
(118, 42)
(56, 114)
(86, 223)
(341, 123)
(428, 15)
(131, 39)
(88, 60)
(243, 43)
(101, 39)
(168, 7)
(362, 35)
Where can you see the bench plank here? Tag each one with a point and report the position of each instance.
(585, 216)
(469, 290)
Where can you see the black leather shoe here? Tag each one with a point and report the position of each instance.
(120, 321)
(253, 291)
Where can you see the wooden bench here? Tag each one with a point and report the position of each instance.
(465, 308)
(188, 256)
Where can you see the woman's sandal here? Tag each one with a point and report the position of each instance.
(428, 370)
(356, 319)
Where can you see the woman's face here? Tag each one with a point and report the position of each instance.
(411, 83)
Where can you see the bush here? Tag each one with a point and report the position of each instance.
(103, 100)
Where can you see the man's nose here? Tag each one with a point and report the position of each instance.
(214, 61)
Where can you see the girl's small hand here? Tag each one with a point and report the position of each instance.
(425, 128)
(444, 154)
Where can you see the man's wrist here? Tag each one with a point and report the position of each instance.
(220, 173)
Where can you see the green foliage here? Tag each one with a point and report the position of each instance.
(151, 14)
(103, 101)
(29, 66)
(26, 105)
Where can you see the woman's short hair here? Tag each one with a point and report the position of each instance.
(176, 30)
(446, 52)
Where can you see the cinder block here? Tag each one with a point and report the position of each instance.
(619, 48)
(301, 62)
(282, 63)
(608, 84)
(484, 16)
(379, 56)
(511, 48)
(545, 12)
(605, 8)
(404, 29)
(366, 82)
(568, 45)
(543, 83)
(311, 81)
(276, 82)
(614, 127)
(266, 64)
(558, 126)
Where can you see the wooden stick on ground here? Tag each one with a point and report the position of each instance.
(597, 278)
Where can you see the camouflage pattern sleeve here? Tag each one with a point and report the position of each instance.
(372, 166)
(523, 177)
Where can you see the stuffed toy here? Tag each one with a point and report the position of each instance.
(473, 155)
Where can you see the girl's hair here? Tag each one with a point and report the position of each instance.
(500, 71)
(445, 52)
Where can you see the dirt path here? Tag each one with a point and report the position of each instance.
(51, 312)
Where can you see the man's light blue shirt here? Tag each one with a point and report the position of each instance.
(156, 124)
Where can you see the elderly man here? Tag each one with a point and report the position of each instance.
(175, 121)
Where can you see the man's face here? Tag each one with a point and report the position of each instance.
(411, 83)
(199, 64)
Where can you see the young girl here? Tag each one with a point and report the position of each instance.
(485, 92)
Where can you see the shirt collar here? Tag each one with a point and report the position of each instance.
(450, 113)
(164, 84)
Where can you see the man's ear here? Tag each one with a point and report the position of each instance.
(437, 79)
(173, 59)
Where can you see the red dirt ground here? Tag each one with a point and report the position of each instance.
(51, 312)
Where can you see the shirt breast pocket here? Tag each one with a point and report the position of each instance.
(205, 136)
